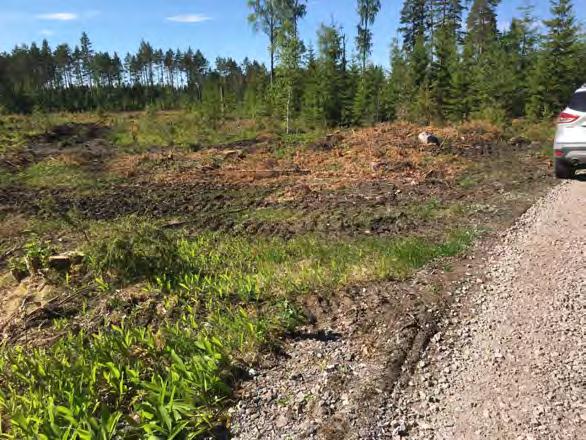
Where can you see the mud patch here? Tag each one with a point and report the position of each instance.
(110, 202)
(85, 145)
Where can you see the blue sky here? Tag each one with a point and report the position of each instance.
(216, 27)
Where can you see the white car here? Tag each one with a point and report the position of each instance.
(569, 148)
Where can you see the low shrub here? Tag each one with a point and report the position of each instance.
(132, 250)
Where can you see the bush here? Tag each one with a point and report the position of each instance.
(131, 251)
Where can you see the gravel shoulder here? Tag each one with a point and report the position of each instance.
(506, 361)
(513, 365)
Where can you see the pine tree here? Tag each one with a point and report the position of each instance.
(367, 11)
(482, 25)
(292, 11)
(63, 61)
(86, 58)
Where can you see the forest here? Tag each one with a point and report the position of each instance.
(452, 63)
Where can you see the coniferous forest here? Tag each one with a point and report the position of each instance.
(451, 63)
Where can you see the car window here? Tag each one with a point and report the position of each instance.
(578, 102)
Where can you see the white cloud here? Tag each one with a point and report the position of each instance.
(46, 32)
(58, 16)
(189, 18)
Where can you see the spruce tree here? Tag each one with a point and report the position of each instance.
(419, 61)
(368, 102)
(415, 22)
(312, 105)
(400, 88)
(457, 105)
(442, 69)
(519, 44)
(331, 71)
(444, 62)
(557, 71)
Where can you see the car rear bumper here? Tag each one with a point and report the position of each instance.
(572, 154)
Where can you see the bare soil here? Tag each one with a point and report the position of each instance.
(354, 182)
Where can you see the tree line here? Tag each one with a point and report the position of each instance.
(451, 63)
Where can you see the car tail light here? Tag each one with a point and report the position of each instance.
(558, 153)
(567, 118)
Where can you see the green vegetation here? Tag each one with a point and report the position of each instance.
(182, 129)
(52, 173)
(219, 298)
(147, 336)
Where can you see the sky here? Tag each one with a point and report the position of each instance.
(216, 27)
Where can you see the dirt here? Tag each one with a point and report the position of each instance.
(492, 349)
(113, 201)
(83, 144)
(335, 372)
(352, 182)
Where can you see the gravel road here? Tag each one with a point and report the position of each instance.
(508, 361)
(513, 365)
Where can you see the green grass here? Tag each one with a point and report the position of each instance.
(469, 181)
(52, 173)
(185, 129)
(7, 178)
(220, 299)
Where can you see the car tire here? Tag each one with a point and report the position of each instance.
(563, 170)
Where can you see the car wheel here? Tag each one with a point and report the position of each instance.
(563, 170)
